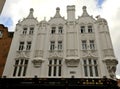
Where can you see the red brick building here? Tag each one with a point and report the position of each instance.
(119, 83)
(5, 42)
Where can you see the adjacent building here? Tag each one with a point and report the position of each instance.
(5, 42)
(2, 2)
(61, 48)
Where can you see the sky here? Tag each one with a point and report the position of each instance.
(15, 10)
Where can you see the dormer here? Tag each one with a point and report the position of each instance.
(57, 19)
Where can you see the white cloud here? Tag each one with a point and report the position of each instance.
(18, 9)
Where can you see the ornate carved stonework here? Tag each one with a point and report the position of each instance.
(25, 54)
(72, 52)
(72, 61)
(37, 62)
(38, 53)
(56, 53)
(111, 66)
(89, 53)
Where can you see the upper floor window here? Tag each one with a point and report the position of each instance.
(24, 30)
(92, 44)
(52, 45)
(31, 30)
(59, 45)
(82, 29)
(21, 46)
(28, 47)
(1, 34)
(20, 67)
(53, 30)
(84, 44)
(60, 30)
(90, 29)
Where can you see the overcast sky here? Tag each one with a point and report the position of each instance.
(15, 10)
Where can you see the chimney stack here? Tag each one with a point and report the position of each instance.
(71, 13)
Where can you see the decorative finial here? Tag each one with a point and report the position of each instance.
(31, 13)
(84, 11)
(84, 8)
(57, 15)
(58, 9)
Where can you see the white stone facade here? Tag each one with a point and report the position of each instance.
(61, 48)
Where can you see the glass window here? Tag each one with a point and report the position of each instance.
(20, 67)
(84, 44)
(53, 30)
(59, 45)
(54, 67)
(95, 68)
(92, 44)
(31, 30)
(60, 30)
(90, 30)
(85, 67)
(52, 45)
(24, 30)
(82, 29)
(21, 46)
(90, 67)
(28, 47)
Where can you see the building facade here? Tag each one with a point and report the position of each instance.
(2, 2)
(61, 48)
(5, 42)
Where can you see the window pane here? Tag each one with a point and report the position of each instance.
(20, 67)
(15, 67)
(21, 45)
(59, 45)
(84, 44)
(28, 46)
(24, 30)
(53, 30)
(25, 67)
(90, 29)
(82, 28)
(92, 45)
(91, 71)
(52, 45)
(31, 30)
(60, 30)
(85, 71)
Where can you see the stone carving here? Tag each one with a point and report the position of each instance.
(111, 66)
(56, 53)
(37, 62)
(89, 53)
(72, 62)
(24, 54)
